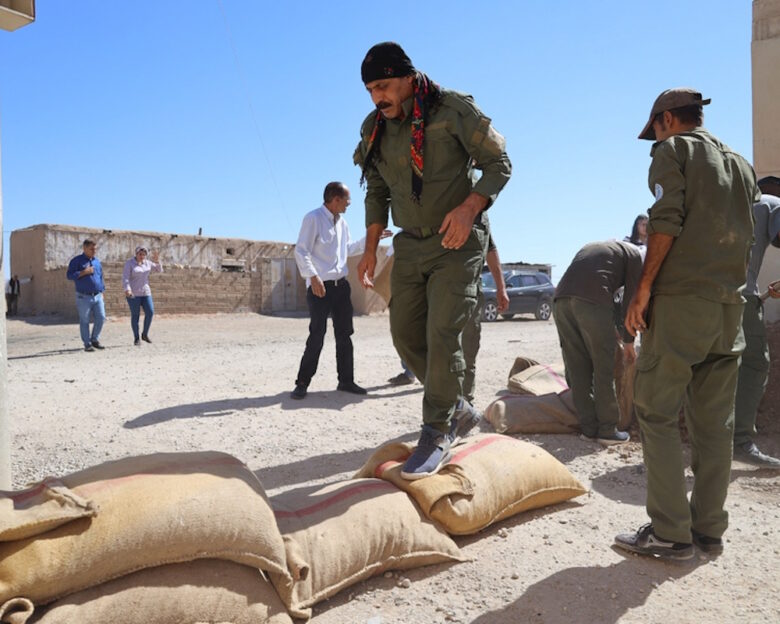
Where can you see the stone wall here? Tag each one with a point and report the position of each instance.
(201, 275)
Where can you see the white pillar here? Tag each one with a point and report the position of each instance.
(765, 53)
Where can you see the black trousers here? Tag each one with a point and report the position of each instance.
(337, 303)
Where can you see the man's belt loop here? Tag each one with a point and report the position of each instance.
(421, 232)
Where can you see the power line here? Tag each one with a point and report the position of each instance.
(245, 85)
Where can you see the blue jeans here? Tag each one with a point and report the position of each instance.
(136, 303)
(93, 304)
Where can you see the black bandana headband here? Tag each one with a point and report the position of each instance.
(385, 60)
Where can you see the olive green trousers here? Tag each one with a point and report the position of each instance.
(434, 293)
(588, 342)
(690, 354)
(753, 371)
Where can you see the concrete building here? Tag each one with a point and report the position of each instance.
(765, 52)
(201, 274)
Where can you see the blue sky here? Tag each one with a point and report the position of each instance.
(232, 115)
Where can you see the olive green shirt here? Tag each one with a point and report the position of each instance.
(458, 140)
(704, 194)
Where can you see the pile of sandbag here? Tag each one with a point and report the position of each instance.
(192, 537)
(132, 520)
(539, 401)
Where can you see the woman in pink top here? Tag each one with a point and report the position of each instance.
(135, 280)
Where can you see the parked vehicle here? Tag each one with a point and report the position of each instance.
(529, 292)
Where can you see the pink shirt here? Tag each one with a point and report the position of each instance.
(135, 276)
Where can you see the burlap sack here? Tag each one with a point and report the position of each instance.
(154, 510)
(527, 377)
(489, 478)
(16, 611)
(624, 388)
(382, 278)
(345, 532)
(208, 590)
(40, 508)
(526, 413)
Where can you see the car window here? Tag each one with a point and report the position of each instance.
(513, 282)
(488, 281)
(527, 280)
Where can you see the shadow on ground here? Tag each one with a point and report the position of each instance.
(321, 466)
(326, 400)
(592, 593)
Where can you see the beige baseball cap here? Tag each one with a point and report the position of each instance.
(669, 99)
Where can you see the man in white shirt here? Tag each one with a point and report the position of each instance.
(321, 254)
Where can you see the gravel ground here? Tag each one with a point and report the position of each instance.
(222, 383)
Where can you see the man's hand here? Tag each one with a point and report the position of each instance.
(502, 300)
(88, 271)
(317, 287)
(774, 290)
(366, 268)
(129, 293)
(155, 257)
(635, 317)
(385, 234)
(456, 226)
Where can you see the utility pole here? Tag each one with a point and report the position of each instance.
(13, 14)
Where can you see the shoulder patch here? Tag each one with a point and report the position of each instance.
(659, 192)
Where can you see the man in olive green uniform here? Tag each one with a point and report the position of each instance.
(472, 333)
(700, 232)
(419, 152)
(584, 313)
(754, 366)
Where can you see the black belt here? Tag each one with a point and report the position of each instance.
(335, 282)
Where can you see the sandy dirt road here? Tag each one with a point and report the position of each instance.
(222, 383)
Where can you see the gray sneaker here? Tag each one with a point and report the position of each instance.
(464, 419)
(646, 542)
(749, 453)
(432, 452)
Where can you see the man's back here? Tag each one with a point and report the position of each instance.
(704, 196)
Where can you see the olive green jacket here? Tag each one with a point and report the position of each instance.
(704, 194)
(458, 140)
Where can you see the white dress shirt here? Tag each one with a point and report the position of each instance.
(324, 245)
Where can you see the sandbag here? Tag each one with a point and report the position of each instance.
(16, 611)
(153, 510)
(345, 532)
(529, 377)
(625, 373)
(490, 477)
(207, 590)
(527, 413)
(40, 508)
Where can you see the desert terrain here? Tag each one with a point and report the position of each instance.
(222, 383)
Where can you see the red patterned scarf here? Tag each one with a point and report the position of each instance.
(426, 94)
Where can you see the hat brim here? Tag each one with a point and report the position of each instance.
(648, 132)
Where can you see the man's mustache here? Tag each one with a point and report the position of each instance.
(383, 105)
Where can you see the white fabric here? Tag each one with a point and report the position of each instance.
(324, 245)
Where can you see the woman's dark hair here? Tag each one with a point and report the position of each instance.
(634, 238)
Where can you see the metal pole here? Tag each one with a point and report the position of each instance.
(5, 436)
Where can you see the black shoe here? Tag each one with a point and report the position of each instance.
(137, 342)
(89, 347)
(611, 439)
(351, 387)
(97, 345)
(299, 392)
(749, 453)
(646, 542)
(707, 544)
(145, 338)
(401, 379)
